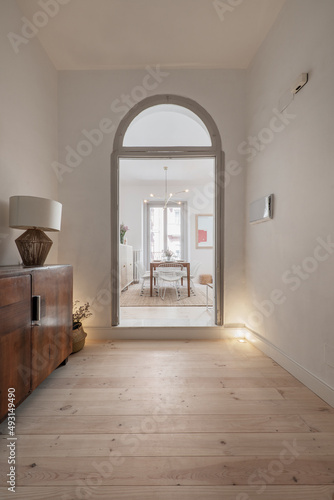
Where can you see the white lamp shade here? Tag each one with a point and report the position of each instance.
(29, 211)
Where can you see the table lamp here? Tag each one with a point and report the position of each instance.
(36, 215)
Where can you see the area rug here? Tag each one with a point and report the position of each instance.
(132, 298)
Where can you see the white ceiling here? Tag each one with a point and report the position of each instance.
(110, 34)
(181, 172)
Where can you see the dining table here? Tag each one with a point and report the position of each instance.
(154, 264)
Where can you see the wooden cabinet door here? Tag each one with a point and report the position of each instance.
(52, 337)
(15, 338)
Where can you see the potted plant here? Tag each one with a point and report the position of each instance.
(78, 334)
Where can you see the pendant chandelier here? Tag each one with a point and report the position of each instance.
(168, 196)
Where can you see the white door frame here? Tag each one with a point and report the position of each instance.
(213, 151)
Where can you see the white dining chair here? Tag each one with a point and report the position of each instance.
(194, 268)
(144, 276)
(169, 274)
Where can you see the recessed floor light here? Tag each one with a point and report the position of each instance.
(241, 340)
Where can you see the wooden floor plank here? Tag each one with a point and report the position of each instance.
(115, 470)
(166, 371)
(189, 406)
(297, 393)
(169, 492)
(174, 381)
(171, 361)
(161, 393)
(227, 345)
(174, 445)
(125, 424)
(320, 422)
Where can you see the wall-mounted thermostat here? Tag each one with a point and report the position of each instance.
(261, 210)
(299, 83)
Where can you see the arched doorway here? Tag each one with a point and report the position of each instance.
(125, 146)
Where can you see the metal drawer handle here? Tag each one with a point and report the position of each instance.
(36, 308)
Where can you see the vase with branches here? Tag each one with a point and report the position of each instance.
(78, 334)
(80, 313)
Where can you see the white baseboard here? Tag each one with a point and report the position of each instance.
(165, 333)
(319, 387)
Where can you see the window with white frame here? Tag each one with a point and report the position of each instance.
(165, 228)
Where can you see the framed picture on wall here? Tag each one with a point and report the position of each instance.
(204, 231)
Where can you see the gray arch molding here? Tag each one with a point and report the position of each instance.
(167, 99)
(213, 151)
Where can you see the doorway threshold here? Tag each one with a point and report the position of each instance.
(167, 317)
(165, 333)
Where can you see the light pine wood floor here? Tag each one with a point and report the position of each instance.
(172, 420)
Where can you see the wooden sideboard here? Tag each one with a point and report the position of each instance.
(31, 347)
(126, 265)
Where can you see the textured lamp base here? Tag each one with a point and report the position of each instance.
(34, 246)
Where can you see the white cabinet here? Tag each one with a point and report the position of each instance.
(126, 265)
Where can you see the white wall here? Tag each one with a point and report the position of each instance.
(28, 139)
(131, 213)
(85, 99)
(296, 164)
